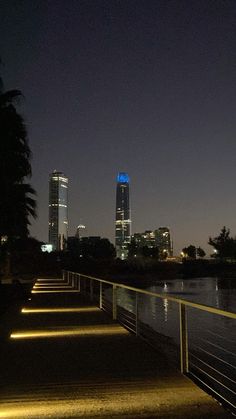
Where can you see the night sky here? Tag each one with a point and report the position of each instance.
(147, 87)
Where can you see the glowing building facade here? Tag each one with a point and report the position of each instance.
(58, 214)
(159, 239)
(80, 231)
(163, 241)
(123, 221)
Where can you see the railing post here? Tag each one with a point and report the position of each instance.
(100, 295)
(79, 283)
(183, 338)
(136, 313)
(91, 290)
(114, 302)
(63, 275)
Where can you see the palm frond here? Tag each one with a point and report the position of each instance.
(10, 96)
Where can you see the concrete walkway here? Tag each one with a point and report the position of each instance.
(67, 359)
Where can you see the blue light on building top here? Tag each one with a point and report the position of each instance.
(123, 177)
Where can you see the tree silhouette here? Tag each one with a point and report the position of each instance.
(224, 245)
(189, 251)
(91, 248)
(17, 201)
(200, 252)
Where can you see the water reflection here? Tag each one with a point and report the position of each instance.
(163, 315)
(211, 337)
(165, 305)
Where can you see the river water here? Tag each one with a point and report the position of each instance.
(215, 292)
(162, 315)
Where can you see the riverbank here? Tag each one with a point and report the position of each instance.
(138, 272)
(26, 266)
(148, 272)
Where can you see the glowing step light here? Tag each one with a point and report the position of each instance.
(49, 279)
(51, 286)
(60, 310)
(72, 332)
(36, 291)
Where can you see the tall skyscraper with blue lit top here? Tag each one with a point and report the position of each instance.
(123, 219)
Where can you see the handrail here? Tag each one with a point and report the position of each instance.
(187, 349)
(202, 307)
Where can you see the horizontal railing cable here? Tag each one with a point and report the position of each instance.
(212, 368)
(207, 356)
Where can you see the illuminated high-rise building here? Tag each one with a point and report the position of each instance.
(163, 242)
(157, 239)
(123, 221)
(80, 231)
(58, 215)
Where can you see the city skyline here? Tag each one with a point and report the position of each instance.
(147, 87)
(58, 219)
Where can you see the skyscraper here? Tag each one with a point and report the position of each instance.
(163, 242)
(123, 221)
(80, 231)
(58, 216)
(158, 239)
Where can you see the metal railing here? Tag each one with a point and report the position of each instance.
(206, 356)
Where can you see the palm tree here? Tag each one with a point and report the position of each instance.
(16, 202)
(19, 206)
(14, 148)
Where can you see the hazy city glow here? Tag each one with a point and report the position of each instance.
(157, 81)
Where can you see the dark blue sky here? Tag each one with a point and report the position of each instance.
(147, 87)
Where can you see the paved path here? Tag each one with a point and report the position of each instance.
(68, 359)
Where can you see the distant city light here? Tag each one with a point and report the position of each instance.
(46, 248)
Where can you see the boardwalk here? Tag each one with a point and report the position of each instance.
(68, 359)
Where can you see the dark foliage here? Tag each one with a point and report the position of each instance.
(135, 250)
(91, 248)
(224, 245)
(17, 203)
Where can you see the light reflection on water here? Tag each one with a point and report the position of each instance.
(163, 315)
(211, 337)
(165, 305)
